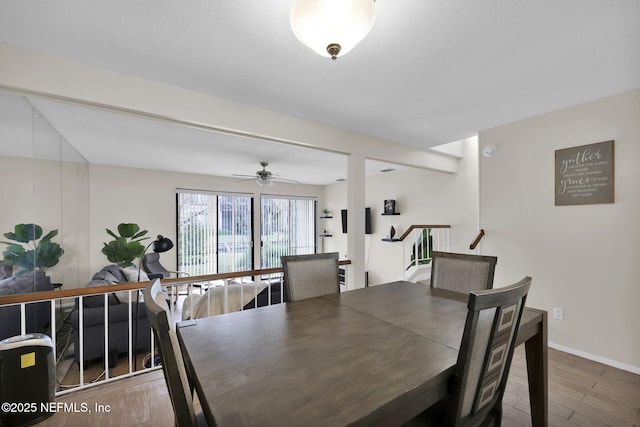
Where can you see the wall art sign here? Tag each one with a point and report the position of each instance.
(585, 174)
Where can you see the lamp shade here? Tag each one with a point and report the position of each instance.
(332, 27)
(162, 244)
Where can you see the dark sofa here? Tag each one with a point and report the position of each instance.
(93, 319)
(38, 314)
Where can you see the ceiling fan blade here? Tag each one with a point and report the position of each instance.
(253, 178)
(290, 181)
(265, 177)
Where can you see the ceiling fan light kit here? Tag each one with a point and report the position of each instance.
(332, 27)
(264, 182)
(265, 178)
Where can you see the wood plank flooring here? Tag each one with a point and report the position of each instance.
(137, 401)
(581, 393)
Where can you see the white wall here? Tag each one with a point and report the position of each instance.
(147, 198)
(422, 197)
(584, 259)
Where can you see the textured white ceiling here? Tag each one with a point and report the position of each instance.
(429, 73)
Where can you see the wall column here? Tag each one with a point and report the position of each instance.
(355, 220)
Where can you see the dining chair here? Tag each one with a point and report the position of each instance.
(155, 270)
(308, 276)
(173, 367)
(462, 272)
(484, 359)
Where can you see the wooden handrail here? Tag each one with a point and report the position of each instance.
(413, 227)
(71, 293)
(479, 237)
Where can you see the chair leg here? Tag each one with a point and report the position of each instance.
(494, 417)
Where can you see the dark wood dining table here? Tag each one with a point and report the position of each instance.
(373, 356)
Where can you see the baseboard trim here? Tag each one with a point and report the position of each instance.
(604, 360)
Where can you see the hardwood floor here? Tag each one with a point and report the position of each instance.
(138, 401)
(581, 393)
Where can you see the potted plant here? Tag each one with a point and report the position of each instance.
(126, 246)
(40, 252)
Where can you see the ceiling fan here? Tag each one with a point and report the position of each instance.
(266, 178)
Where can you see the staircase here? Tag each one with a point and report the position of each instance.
(417, 243)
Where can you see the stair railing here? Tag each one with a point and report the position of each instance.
(418, 243)
(479, 237)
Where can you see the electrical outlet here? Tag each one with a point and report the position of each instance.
(558, 313)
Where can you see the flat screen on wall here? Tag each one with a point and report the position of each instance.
(367, 220)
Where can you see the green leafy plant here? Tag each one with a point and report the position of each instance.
(40, 252)
(126, 247)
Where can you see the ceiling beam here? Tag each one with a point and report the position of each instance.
(37, 74)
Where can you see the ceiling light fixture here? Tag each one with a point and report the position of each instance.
(265, 178)
(332, 27)
(264, 182)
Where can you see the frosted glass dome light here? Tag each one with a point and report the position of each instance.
(332, 27)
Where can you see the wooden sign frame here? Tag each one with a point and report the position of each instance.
(584, 175)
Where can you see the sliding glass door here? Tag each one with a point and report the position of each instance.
(288, 227)
(214, 232)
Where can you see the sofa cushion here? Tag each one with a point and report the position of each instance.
(5, 286)
(117, 313)
(6, 270)
(132, 275)
(37, 315)
(109, 275)
(98, 300)
(105, 276)
(22, 283)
